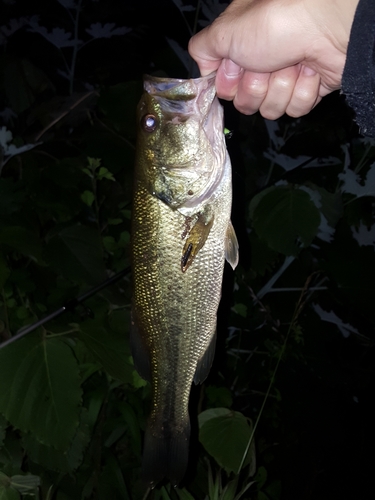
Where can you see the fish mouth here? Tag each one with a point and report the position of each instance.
(183, 100)
(177, 88)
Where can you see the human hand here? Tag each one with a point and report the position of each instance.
(276, 56)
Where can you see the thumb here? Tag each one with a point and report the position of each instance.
(204, 53)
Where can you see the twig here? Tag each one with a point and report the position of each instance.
(64, 113)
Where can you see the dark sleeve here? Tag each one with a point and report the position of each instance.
(358, 81)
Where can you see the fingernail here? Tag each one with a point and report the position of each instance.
(308, 71)
(231, 68)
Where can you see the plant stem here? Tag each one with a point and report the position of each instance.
(75, 49)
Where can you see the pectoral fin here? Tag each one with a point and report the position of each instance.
(231, 246)
(196, 238)
(139, 351)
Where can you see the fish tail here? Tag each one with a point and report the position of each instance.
(165, 453)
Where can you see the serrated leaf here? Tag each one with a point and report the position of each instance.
(351, 182)
(98, 30)
(285, 218)
(362, 234)
(225, 435)
(61, 461)
(77, 252)
(331, 317)
(110, 348)
(40, 389)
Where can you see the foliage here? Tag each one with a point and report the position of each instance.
(288, 398)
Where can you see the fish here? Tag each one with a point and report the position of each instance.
(181, 236)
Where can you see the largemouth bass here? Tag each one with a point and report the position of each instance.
(181, 236)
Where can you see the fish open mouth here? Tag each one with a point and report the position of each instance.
(193, 99)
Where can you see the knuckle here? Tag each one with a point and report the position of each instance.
(256, 88)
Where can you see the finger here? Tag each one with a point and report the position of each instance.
(203, 52)
(252, 90)
(305, 93)
(227, 79)
(280, 90)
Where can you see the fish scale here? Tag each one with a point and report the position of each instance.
(180, 203)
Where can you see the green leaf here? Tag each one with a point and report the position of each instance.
(225, 435)
(218, 397)
(104, 173)
(88, 198)
(184, 494)
(23, 240)
(4, 271)
(77, 252)
(30, 82)
(25, 483)
(118, 103)
(6, 491)
(285, 218)
(12, 196)
(240, 309)
(3, 426)
(261, 477)
(61, 461)
(109, 347)
(40, 389)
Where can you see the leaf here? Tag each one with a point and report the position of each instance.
(25, 484)
(23, 240)
(109, 347)
(330, 206)
(284, 161)
(12, 196)
(61, 461)
(3, 426)
(4, 271)
(31, 81)
(285, 218)
(77, 252)
(58, 36)
(225, 435)
(345, 328)
(68, 4)
(6, 491)
(40, 389)
(363, 235)
(98, 30)
(5, 137)
(351, 182)
(88, 198)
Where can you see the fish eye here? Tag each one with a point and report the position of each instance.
(149, 123)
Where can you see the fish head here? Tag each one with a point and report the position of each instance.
(180, 140)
